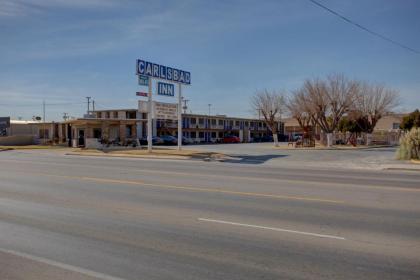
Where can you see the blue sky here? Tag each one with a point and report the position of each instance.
(63, 51)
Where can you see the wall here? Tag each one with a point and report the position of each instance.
(18, 140)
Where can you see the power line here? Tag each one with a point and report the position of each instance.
(364, 28)
(37, 105)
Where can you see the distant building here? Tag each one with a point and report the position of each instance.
(390, 122)
(20, 132)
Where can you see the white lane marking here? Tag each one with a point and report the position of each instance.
(272, 228)
(61, 265)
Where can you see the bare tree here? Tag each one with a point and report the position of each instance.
(328, 100)
(271, 105)
(296, 107)
(373, 102)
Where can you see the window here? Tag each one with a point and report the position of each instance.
(213, 135)
(115, 115)
(201, 134)
(193, 134)
(395, 126)
(99, 115)
(193, 121)
(246, 123)
(200, 121)
(220, 134)
(213, 121)
(220, 122)
(231, 123)
(97, 133)
(237, 123)
(131, 115)
(107, 115)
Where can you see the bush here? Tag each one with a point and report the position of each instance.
(410, 145)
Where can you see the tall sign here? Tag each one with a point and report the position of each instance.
(160, 72)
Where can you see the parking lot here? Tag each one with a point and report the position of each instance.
(284, 156)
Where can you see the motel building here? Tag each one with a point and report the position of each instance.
(125, 126)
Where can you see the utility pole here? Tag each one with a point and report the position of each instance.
(185, 107)
(209, 108)
(88, 104)
(65, 116)
(43, 118)
(93, 105)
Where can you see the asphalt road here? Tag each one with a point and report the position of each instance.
(72, 217)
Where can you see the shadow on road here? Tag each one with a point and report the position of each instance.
(248, 159)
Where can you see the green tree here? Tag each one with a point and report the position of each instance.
(410, 121)
(348, 124)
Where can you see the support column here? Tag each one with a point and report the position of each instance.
(179, 117)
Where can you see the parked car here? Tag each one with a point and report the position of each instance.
(267, 138)
(155, 140)
(169, 140)
(187, 141)
(231, 139)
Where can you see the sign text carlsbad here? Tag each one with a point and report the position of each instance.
(162, 72)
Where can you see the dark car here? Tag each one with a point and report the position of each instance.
(155, 140)
(169, 140)
(231, 139)
(267, 138)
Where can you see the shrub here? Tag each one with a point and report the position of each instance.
(410, 145)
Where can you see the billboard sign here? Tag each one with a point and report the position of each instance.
(157, 71)
(166, 111)
(161, 110)
(166, 89)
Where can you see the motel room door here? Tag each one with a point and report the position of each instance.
(81, 137)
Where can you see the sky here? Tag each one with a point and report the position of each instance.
(62, 51)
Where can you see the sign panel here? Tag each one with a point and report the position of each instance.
(166, 111)
(139, 93)
(161, 110)
(157, 71)
(143, 80)
(166, 89)
(4, 124)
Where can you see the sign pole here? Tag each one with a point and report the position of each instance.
(179, 117)
(149, 118)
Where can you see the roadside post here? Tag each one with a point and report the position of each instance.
(149, 118)
(146, 72)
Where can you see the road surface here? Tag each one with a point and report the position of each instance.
(75, 217)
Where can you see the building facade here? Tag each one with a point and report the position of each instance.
(125, 126)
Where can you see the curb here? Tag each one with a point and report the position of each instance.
(402, 169)
(415, 161)
(335, 148)
(131, 156)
